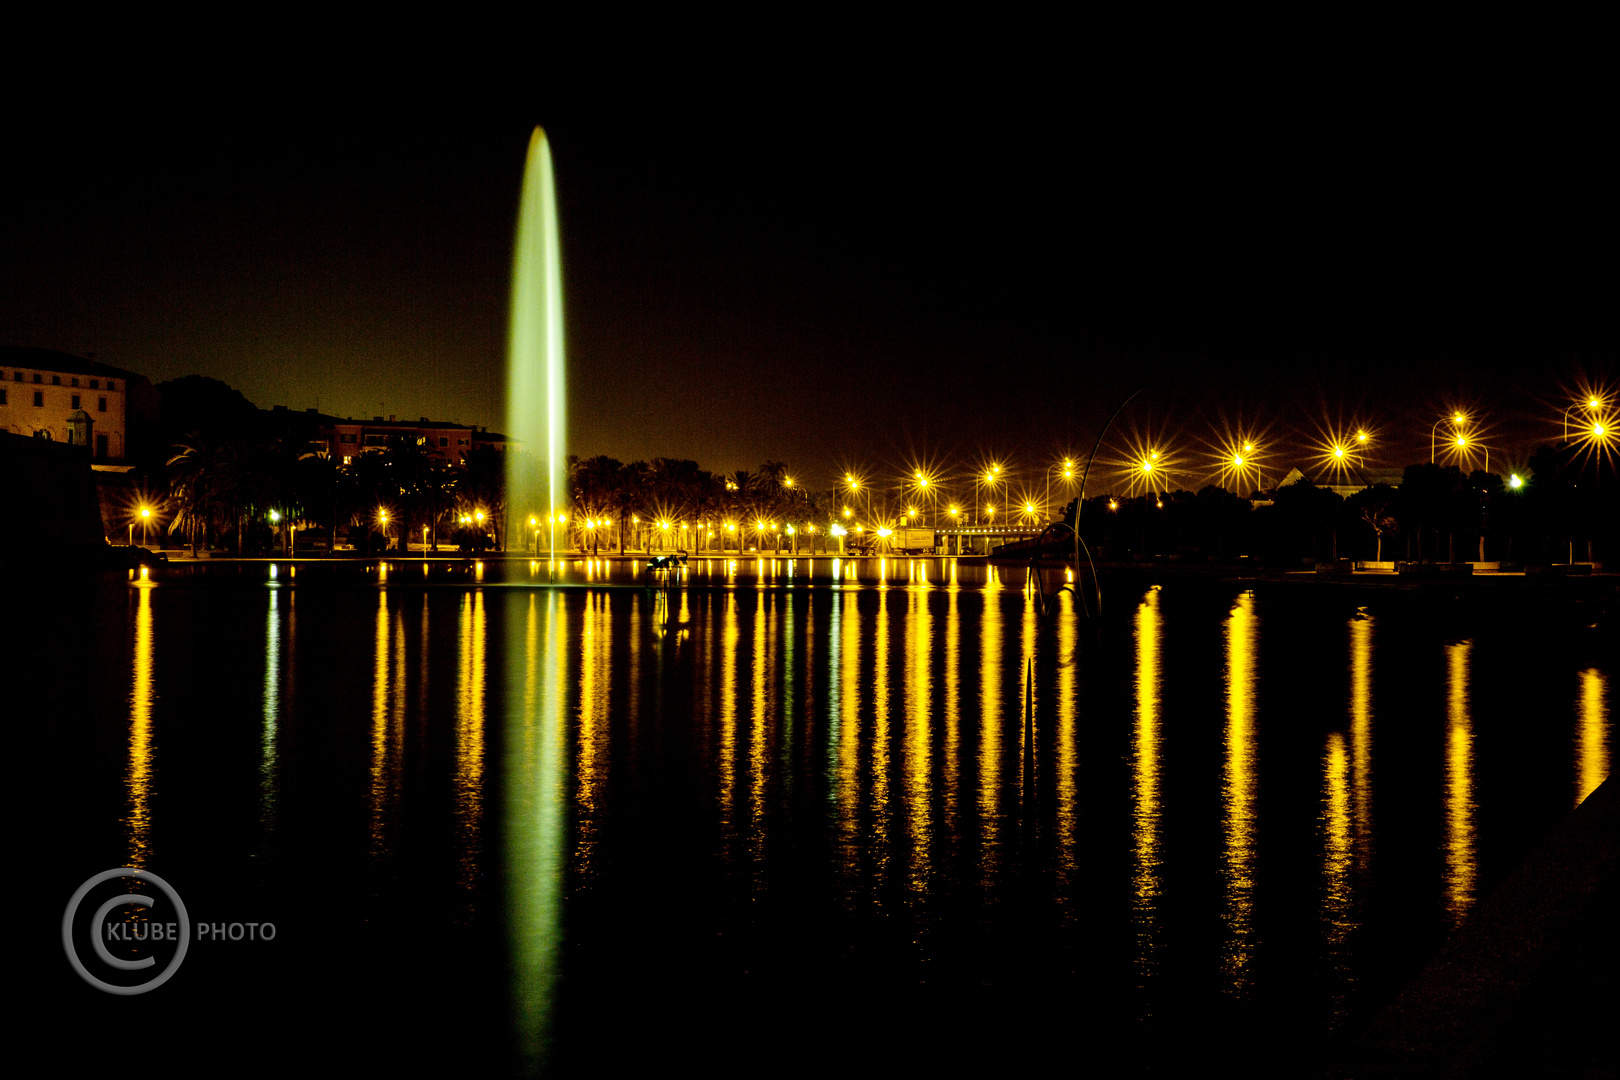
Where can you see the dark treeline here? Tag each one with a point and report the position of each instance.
(242, 479)
(238, 478)
(670, 503)
(1565, 509)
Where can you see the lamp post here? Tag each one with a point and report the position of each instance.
(1462, 447)
(989, 479)
(1068, 475)
(1455, 418)
(1591, 404)
(923, 486)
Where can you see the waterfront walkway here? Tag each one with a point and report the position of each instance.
(1528, 985)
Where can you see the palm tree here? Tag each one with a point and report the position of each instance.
(190, 478)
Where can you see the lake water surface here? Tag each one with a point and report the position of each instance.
(799, 815)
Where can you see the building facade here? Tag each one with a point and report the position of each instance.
(346, 438)
(61, 398)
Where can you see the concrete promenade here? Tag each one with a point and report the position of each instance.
(1528, 986)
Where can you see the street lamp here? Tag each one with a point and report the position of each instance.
(1591, 404)
(989, 479)
(1462, 448)
(1068, 476)
(1456, 418)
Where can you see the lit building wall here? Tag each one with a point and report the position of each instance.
(39, 400)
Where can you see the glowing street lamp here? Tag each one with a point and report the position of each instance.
(1457, 419)
(145, 514)
(989, 478)
(1592, 404)
(1067, 466)
(1515, 481)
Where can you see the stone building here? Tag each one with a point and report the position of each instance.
(53, 396)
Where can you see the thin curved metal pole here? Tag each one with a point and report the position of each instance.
(1080, 503)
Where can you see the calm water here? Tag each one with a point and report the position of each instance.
(801, 817)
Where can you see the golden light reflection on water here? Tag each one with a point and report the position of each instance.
(1068, 721)
(1346, 814)
(990, 719)
(139, 776)
(1240, 781)
(1338, 854)
(387, 721)
(1460, 869)
(1146, 742)
(846, 663)
(1361, 722)
(595, 668)
(764, 627)
(1592, 738)
(730, 635)
(953, 706)
(918, 780)
(878, 806)
(470, 721)
(379, 717)
(1029, 700)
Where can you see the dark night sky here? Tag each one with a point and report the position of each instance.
(943, 267)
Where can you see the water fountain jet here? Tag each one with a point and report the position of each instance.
(536, 401)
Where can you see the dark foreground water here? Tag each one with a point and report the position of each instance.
(798, 820)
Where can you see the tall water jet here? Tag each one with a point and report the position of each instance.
(536, 479)
(536, 402)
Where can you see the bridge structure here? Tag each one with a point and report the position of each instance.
(981, 539)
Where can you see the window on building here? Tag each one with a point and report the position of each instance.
(346, 438)
(101, 405)
(75, 404)
(95, 384)
(56, 380)
(38, 377)
(39, 399)
(347, 460)
(443, 441)
(111, 385)
(2, 395)
(75, 382)
(18, 376)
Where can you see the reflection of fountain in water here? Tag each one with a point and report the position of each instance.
(536, 402)
(537, 641)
